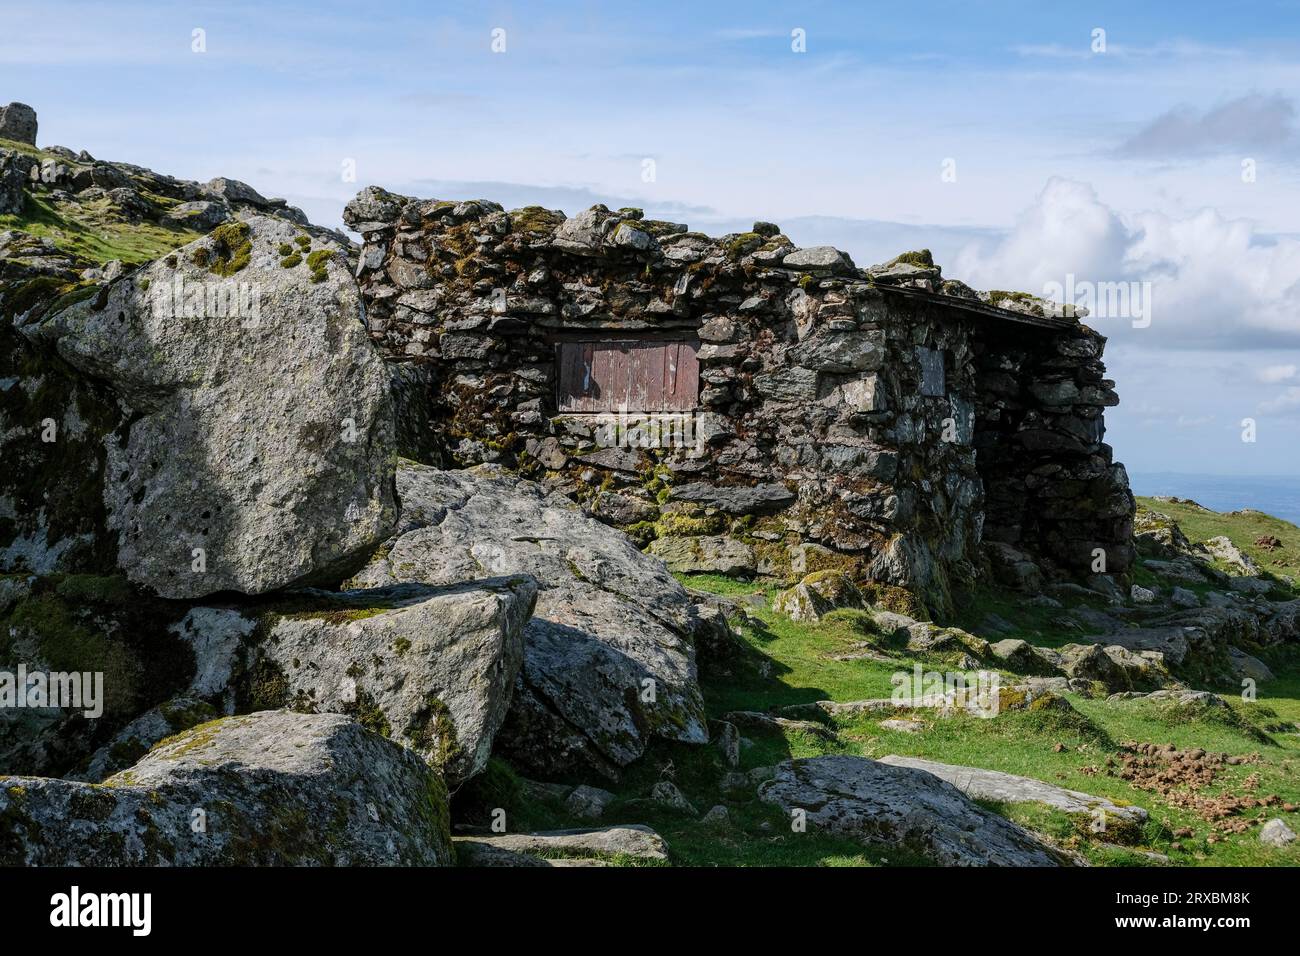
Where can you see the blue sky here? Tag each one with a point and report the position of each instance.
(1122, 165)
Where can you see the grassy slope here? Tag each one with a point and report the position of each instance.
(88, 229)
(1243, 527)
(1025, 742)
(788, 663)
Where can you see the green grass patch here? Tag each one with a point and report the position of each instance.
(91, 231)
(1072, 741)
(1243, 528)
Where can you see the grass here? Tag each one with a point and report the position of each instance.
(1043, 626)
(787, 663)
(782, 663)
(91, 231)
(28, 150)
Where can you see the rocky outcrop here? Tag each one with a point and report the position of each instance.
(817, 595)
(432, 668)
(979, 784)
(1222, 548)
(901, 807)
(268, 789)
(18, 123)
(56, 419)
(1155, 533)
(13, 179)
(1113, 665)
(608, 655)
(260, 441)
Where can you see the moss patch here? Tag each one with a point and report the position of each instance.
(231, 250)
(316, 262)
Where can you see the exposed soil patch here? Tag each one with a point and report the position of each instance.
(1177, 776)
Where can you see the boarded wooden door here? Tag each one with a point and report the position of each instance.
(638, 375)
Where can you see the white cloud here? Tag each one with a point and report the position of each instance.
(1287, 401)
(1173, 50)
(1215, 282)
(747, 33)
(1272, 374)
(1067, 229)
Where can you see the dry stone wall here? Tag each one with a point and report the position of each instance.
(837, 421)
(1052, 486)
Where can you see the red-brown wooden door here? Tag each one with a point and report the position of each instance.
(636, 374)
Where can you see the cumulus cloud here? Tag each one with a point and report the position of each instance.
(1272, 374)
(1249, 123)
(1214, 282)
(1285, 403)
(1067, 229)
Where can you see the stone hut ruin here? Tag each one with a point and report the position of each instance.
(744, 407)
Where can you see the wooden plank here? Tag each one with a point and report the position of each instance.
(686, 388)
(596, 375)
(655, 360)
(671, 359)
(615, 376)
(575, 378)
(566, 366)
(638, 392)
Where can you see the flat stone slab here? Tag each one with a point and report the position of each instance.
(1007, 787)
(903, 726)
(523, 849)
(877, 804)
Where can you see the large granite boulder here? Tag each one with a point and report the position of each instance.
(883, 805)
(430, 667)
(259, 448)
(608, 656)
(267, 789)
(18, 123)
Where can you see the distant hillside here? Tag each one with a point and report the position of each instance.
(1273, 543)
